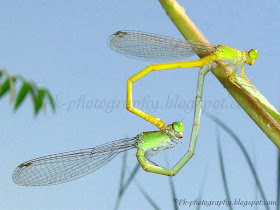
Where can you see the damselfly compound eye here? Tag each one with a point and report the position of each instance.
(178, 127)
(253, 54)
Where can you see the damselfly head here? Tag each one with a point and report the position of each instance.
(251, 56)
(176, 130)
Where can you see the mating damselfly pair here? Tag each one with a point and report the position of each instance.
(64, 167)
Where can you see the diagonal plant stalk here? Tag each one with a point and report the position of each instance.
(254, 104)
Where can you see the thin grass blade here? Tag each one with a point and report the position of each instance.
(221, 160)
(245, 153)
(201, 189)
(173, 193)
(121, 180)
(130, 178)
(148, 197)
(126, 184)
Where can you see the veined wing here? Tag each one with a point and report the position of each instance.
(67, 166)
(154, 47)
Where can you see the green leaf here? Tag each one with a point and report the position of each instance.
(4, 88)
(39, 100)
(38, 95)
(12, 88)
(25, 88)
(49, 96)
(1, 74)
(33, 92)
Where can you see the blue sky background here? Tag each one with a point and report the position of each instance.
(62, 45)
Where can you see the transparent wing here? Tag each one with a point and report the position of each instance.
(67, 166)
(153, 47)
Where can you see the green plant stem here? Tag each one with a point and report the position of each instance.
(247, 101)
